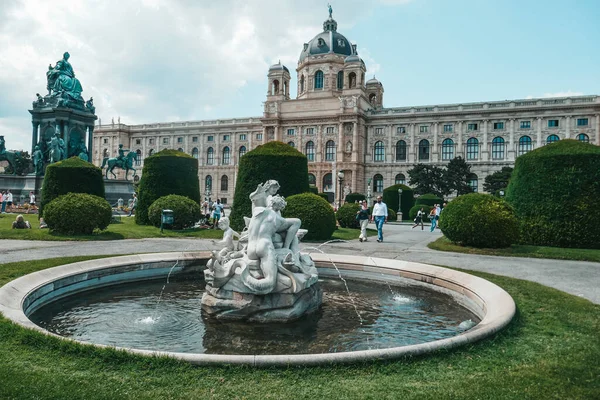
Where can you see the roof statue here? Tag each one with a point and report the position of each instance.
(330, 10)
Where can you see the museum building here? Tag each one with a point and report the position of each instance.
(339, 122)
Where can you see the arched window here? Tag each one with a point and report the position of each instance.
(242, 151)
(302, 84)
(180, 149)
(473, 182)
(208, 183)
(582, 137)
(340, 80)
(498, 148)
(312, 179)
(552, 139)
(210, 156)
(226, 155)
(401, 150)
(330, 151)
(472, 149)
(106, 154)
(379, 153)
(327, 183)
(138, 158)
(310, 151)
(352, 80)
(447, 149)
(400, 179)
(378, 183)
(525, 145)
(424, 149)
(291, 144)
(275, 88)
(150, 152)
(195, 153)
(224, 183)
(319, 79)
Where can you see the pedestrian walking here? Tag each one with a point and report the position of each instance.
(3, 200)
(133, 205)
(217, 211)
(9, 201)
(32, 205)
(419, 219)
(432, 216)
(380, 216)
(206, 212)
(362, 216)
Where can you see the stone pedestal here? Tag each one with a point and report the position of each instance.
(118, 189)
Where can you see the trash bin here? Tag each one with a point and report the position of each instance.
(166, 218)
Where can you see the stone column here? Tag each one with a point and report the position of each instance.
(459, 146)
(354, 148)
(511, 140)
(539, 133)
(340, 143)
(485, 155)
(568, 127)
(389, 154)
(411, 144)
(434, 148)
(597, 130)
(34, 135)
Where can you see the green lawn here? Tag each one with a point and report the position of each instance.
(550, 351)
(443, 244)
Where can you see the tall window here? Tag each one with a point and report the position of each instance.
(401, 129)
(340, 80)
(351, 80)
(379, 154)
(195, 153)
(424, 150)
(242, 151)
(552, 139)
(319, 79)
(447, 149)
(423, 128)
(291, 144)
(401, 150)
(302, 84)
(498, 148)
(327, 183)
(473, 182)
(242, 136)
(138, 158)
(582, 121)
(224, 183)
(275, 87)
(210, 156)
(310, 131)
(472, 149)
(226, 156)
(291, 132)
(400, 179)
(582, 137)
(378, 183)
(312, 179)
(525, 145)
(310, 151)
(330, 151)
(208, 183)
(448, 128)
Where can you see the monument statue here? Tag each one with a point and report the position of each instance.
(11, 156)
(54, 149)
(90, 105)
(83, 154)
(38, 160)
(330, 10)
(122, 161)
(268, 279)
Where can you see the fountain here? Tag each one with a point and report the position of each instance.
(259, 301)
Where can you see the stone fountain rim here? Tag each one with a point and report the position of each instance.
(496, 307)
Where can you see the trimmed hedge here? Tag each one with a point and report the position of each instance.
(479, 220)
(390, 197)
(313, 189)
(346, 215)
(555, 191)
(429, 199)
(77, 214)
(273, 160)
(315, 213)
(354, 197)
(72, 175)
(414, 209)
(166, 172)
(186, 212)
(324, 196)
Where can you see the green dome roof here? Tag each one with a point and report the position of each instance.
(328, 41)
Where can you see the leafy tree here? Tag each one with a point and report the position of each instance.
(23, 164)
(457, 176)
(498, 180)
(428, 179)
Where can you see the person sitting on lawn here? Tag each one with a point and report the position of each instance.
(20, 223)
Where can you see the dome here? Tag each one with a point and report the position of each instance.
(373, 81)
(328, 41)
(278, 67)
(352, 58)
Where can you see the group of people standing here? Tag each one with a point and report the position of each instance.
(434, 216)
(8, 204)
(214, 210)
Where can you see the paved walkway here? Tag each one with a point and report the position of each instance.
(576, 277)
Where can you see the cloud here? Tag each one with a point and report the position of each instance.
(568, 93)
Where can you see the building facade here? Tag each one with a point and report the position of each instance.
(339, 122)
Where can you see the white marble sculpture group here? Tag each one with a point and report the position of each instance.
(264, 277)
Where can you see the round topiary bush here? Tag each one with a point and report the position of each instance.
(354, 197)
(72, 175)
(479, 220)
(186, 212)
(273, 160)
(429, 199)
(313, 189)
(166, 172)
(324, 196)
(315, 213)
(346, 215)
(554, 191)
(77, 214)
(415, 209)
(390, 197)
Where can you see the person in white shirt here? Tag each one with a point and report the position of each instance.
(9, 200)
(419, 218)
(380, 216)
(31, 202)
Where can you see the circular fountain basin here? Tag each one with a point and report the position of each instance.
(393, 284)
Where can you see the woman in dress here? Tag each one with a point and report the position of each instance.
(363, 218)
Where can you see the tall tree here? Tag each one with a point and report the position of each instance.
(428, 179)
(457, 176)
(498, 180)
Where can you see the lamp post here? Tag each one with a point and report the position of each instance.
(341, 180)
(501, 193)
(400, 205)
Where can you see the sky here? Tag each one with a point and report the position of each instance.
(147, 61)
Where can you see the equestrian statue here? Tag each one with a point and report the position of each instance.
(121, 161)
(11, 156)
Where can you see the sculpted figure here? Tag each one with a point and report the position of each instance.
(38, 160)
(83, 152)
(2, 145)
(90, 105)
(62, 78)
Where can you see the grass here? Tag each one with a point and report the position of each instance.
(350, 234)
(443, 244)
(550, 351)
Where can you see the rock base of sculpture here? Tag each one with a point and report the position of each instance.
(273, 307)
